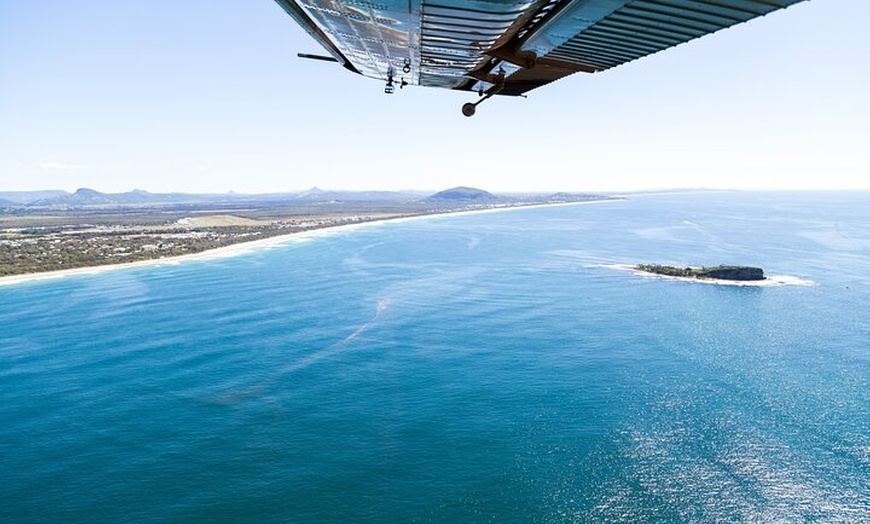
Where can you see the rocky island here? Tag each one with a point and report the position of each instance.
(738, 273)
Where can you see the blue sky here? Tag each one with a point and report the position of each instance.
(208, 96)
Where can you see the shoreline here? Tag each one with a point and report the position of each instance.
(241, 248)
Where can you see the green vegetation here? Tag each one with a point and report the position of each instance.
(37, 249)
(743, 273)
(89, 228)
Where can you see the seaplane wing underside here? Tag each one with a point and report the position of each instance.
(506, 47)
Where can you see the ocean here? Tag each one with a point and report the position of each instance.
(491, 367)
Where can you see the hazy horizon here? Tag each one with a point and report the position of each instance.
(429, 190)
(208, 97)
(437, 189)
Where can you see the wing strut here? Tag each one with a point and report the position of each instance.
(317, 57)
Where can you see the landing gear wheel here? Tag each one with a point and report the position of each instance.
(468, 109)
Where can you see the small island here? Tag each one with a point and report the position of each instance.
(738, 273)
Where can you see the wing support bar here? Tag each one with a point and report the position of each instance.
(317, 57)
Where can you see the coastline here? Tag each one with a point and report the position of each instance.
(253, 245)
(770, 281)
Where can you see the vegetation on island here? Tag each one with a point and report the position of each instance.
(741, 273)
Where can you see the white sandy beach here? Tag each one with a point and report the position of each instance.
(226, 251)
(245, 247)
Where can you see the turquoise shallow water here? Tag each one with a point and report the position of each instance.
(476, 368)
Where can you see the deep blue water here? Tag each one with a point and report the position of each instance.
(474, 368)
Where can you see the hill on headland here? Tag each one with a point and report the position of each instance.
(462, 194)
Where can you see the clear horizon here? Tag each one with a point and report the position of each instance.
(209, 97)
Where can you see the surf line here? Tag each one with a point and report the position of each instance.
(306, 361)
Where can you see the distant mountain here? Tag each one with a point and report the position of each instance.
(89, 197)
(319, 195)
(26, 197)
(315, 194)
(462, 194)
(86, 197)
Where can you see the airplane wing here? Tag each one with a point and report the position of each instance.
(506, 47)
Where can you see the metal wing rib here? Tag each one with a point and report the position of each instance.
(512, 45)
